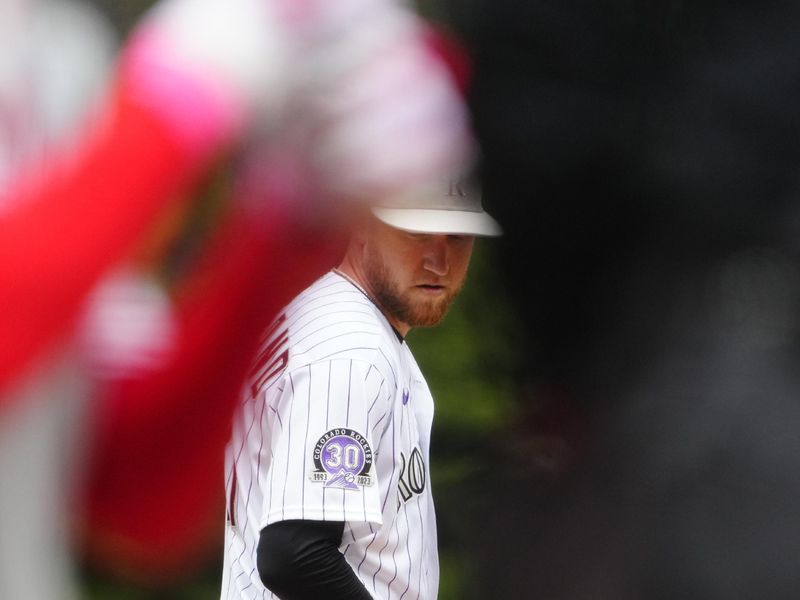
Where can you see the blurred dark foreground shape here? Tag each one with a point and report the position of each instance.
(644, 158)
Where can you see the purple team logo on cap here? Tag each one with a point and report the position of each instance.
(343, 459)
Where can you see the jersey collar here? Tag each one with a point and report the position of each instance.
(355, 284)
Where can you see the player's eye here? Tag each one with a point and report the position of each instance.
(460, 239)
(418, 237)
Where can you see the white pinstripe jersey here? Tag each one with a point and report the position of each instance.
(335, 425)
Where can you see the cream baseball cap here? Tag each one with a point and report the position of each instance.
(450, 207)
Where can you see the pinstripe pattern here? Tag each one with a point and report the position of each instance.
(344, 368)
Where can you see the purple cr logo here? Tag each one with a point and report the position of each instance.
(405, 397)
(343, 459)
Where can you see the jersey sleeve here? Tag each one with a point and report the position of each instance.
(323, 448)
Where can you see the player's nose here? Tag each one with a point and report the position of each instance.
(436, 258)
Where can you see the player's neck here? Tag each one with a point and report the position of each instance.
(351, 271)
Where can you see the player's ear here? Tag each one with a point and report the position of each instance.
(356, 244)
(359, 231)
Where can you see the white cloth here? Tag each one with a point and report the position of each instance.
(40, 458)
(54, 62)
(333, 386)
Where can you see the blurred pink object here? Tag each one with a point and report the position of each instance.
(349, 90)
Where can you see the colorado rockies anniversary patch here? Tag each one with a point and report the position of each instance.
(343, 459)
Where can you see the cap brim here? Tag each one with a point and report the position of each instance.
(441, 221)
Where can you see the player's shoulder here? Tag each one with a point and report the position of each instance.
(329, 293)
(330, 302)
(333, 319)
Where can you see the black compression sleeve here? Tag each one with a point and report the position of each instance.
(300, 560)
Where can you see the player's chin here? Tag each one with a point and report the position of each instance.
(430, 314)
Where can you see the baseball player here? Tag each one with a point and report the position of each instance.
(327, 479)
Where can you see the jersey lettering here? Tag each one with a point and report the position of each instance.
(412, 477)
(232, 501)
(267, 366)
(270, 362)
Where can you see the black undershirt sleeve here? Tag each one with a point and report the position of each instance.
(300, 560)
